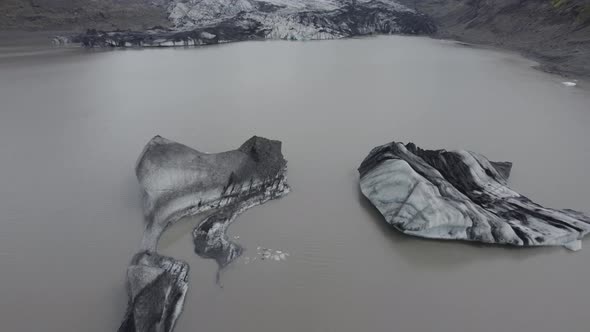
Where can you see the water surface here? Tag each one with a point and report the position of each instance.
(72, 124)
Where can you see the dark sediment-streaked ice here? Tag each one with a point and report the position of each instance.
(205, 22)
(177, 181)
(461, 195)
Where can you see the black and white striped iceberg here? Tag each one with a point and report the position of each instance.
(177, 181)
(461, 195)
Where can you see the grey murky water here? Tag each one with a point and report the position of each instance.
(72, 124)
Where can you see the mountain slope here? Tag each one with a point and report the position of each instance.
(78, 15)
(555, 32)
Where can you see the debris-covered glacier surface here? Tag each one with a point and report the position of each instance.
(203, 22)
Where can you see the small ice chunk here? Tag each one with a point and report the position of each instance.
(271, 254)
(574, 245)
(237, 237)
(569, 83)
(207, 35)
(59, 40)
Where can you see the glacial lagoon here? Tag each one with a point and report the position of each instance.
(74, 121)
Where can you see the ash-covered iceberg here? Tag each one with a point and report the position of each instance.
(156, 287)
(177, 181)
(461, 195)
(203, 22)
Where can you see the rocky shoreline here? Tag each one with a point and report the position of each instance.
(554, 33)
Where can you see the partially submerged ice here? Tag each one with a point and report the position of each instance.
(461, 195)
(156, 287)
(177, 181)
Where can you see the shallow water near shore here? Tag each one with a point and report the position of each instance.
(72, 124)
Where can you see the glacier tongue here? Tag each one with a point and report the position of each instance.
(237, 20)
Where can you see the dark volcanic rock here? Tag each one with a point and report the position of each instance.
(177, 181)
(72, 15)
(461, 195)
